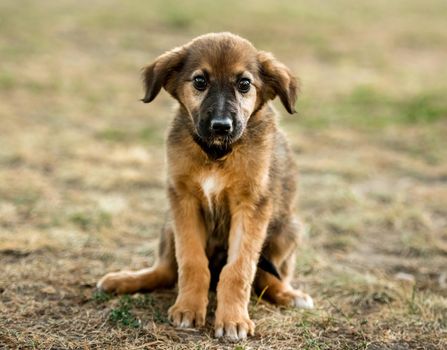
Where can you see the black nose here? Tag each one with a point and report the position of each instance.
(221, 126)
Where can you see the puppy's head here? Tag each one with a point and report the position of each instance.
(221, 80)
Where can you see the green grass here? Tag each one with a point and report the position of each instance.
(91, 220)
(145, 135)
(122, 315)
(366, 107)
(101, 297)
(7, 81)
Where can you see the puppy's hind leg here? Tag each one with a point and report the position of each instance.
(280, 292)
(280, 251)
(162, 275)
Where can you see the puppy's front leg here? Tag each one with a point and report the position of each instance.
(247, 235)
(193, 273)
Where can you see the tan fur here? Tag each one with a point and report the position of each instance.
(229, 210)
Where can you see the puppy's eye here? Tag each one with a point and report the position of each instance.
(200, 83)
(244, 85)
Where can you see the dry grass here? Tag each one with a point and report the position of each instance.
(82, 179)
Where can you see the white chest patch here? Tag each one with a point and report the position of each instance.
(211, 185)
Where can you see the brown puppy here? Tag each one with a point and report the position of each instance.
(231, 185)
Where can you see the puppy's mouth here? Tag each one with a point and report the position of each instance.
(219, 140)
(215, 146)
(217, 136)
(216, 139)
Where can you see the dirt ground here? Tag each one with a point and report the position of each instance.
(82, 179)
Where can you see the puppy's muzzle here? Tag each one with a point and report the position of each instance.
(221, 126)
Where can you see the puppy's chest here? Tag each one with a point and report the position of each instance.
(217, 219)
(212, 185)
(215, 210)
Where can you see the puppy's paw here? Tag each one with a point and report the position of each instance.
(233, 327)
(292, 297)
(187, 315)
(302, 300)
(119, 282)
(297, 298)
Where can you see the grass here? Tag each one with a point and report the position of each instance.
(146, 135)
(366, 107)
(82, 179)
(122, 316)
(91, 221)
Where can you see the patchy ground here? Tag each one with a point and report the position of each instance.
(82, 179)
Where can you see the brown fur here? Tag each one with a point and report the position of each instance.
(230, 200)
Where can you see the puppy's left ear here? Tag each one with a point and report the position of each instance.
(278, 81)
(162, 73)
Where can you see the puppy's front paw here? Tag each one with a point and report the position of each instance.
(119, 282)
(234, 327)
(184, 314)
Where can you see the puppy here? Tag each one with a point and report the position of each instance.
(231, 185)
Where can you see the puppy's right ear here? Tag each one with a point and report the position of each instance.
(162, 73)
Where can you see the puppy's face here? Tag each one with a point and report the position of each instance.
(219, 94)
(221, 80)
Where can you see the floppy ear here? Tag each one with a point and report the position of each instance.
(162, 73)
(278, 81)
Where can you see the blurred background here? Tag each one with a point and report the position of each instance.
(82, 179)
